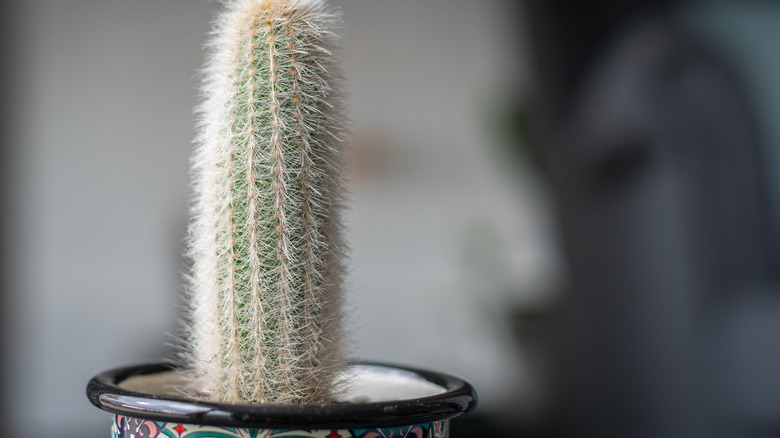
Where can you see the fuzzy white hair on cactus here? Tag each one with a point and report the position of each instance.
(265, 239)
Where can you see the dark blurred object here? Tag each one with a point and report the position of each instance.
(671, 320)
(9, 118)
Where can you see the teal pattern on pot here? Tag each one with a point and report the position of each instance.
(129, 427)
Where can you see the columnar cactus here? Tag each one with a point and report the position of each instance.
(265, 242)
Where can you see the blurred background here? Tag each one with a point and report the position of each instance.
(573, 205)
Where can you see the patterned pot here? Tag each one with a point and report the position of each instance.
(383, 401)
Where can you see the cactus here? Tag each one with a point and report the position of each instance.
(265, 244)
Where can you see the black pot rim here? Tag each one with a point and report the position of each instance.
(105, 393)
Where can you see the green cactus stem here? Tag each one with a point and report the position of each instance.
(265, 238)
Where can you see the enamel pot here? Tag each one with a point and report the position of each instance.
(382, 401)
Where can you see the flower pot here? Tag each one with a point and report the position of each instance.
(381, 401)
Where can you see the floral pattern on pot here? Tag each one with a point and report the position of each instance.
(128, 427)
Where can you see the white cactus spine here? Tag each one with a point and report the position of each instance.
(265, 236)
